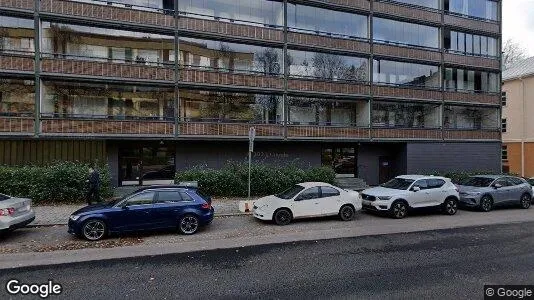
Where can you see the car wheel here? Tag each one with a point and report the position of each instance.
(450, 206)
(94, 230)
(346, 213)
(526, 201)
(282, 217)
(188, 224)
(399, 210)
(486, 203)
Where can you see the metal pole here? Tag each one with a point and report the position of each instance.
(249, 167)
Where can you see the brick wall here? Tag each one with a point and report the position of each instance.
(328, 86)
(474, 61)
(457, 21)
(18, 63)
(406, 12)
(472, 97)
(406, 133)
(106, 127)
(231, 29)
(16, 125)
(472, 135)
(391, 91)
(213, 77)
(226, 129)
(22, 4)
(406, 52)
(327, 42)
(327, 131)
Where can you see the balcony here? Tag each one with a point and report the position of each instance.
(391, 91)
(406, 133)
(17, 62)
(201, 76)
(480, 134)
(407, 12)
(106, 127)
(18, 4)
(358, 4)
(327, 132)
(470, 97)
(229, 27)
(110, 11)
(405, 51)
(472, 61)
(327, 41)
(16, 125)
(107, 69)
(463, 22)
(229, 129)
(331, 87)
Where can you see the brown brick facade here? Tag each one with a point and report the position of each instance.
(20, 4)
(18, 63)
(360, 4)
(473, 98)
(106, 127)
(406, 133)
(407, 52)
(406, 12)
(472, 135)
(327, 42)
(328, 87)
(227, 129)
(472, 61)
(479, 25)
(213, 77)
(16, 125)
(231, 29)
(409, 93)
(327, 131)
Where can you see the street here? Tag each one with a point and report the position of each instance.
(452, 263)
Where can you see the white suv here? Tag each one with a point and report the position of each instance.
(402, 193)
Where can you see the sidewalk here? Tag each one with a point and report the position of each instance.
(47, 215)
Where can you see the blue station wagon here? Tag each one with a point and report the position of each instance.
(149, 208)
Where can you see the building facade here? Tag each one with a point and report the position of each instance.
(371, 88)
(517, 121)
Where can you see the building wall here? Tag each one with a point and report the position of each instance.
(453, 157)
(519, 109)
(514, 162)
(369, 156)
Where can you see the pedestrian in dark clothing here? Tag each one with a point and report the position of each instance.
(94, 186)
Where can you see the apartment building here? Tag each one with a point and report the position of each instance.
(370, 88)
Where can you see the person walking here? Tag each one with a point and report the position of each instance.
(94, 186)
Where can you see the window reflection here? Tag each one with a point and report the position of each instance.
(110, 45)
(410, 74)
(387, 31)
(230, 57)
(326, 112)
(406, 115)
(470, 80)
(326, 66)
(17, 97)
(478, 45)
(485, 9)
(466, 117)
(16, 35)
(425, 3)
(69, 100)
(209, 106)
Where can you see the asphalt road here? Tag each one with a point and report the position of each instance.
(443, 264)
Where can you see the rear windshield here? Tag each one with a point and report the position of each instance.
(478, 181)
(201, 194)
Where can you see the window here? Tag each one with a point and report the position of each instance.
(405, 115)
(515, 180)
(476, 44)
(470, 80)
(435, 183)
(503, 98)
(503, 182)
(402, 73)
(386, 30)
(503, 125)
(484, 9)
(185, 196)
(141, 199)
(328, 192)
(326, 66)
(422, 184)
(504, 152)
(169, 197)
(311, 193)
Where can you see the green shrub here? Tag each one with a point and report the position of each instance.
(61, 182)
(232, 179)
(459, 177)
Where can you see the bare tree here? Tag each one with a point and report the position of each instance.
(512, 52)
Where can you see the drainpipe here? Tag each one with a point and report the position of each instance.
(523, 133)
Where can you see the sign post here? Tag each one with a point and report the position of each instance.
(251, 136)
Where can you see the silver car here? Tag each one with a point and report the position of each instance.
(15, 213)
(486, 191)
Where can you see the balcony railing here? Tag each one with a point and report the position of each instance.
(17, 61)
(385, 48)
(325, 86)
(321, 131)
(229, 129)
(19, 4)
(359, 4)
(455, 20)
(208, 76)
(328, 41)
(106, 127)
(407, 11)
(472, 61)
(407, 133)
(406, 92)
(472, 134)
(16, 125)
(472, 97)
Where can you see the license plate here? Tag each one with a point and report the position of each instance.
(366, 202)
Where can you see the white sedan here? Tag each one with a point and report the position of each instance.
(309, 199)
(14, 212)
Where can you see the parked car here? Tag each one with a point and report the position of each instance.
(403, 193)
(486, 191)
(149, 208)
(15, 213)
(305, 200)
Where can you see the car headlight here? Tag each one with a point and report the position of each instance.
(74, 217)
(384, 197)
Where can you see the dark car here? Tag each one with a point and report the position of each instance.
(148, 208)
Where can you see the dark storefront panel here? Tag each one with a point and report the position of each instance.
(146, 164)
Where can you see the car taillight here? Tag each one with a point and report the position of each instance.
(7, 211)
(206, 206)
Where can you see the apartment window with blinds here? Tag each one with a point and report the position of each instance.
(503, 98)
(503, 125)
(504, 152)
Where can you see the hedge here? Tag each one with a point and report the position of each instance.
(232, 179)
(459, 177)
(61, 182)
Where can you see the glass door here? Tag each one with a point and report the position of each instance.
(341, 159)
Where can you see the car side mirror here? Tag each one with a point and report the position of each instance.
(416, 189)
(497, 186)
(125, 206)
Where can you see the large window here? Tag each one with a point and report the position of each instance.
(17, 97)
(211, 106)
(327, 66)
(469, 80)
(230, 57)
(470, 44)
(406, 115)
(257, 11)
(101, 44)
(426, 3)
(485, 9)
(16, 35)
(401, 73)
(326, 21)
(467, 117)
(325, 112)
(390, 31)
(91, 100)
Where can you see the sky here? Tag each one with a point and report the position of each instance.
(518, 23)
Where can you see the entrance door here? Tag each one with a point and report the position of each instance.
(145, 165)
(341, 159)
(385, 169)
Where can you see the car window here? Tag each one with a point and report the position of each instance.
(515, 180)
(327, 191)
(311, 193)
(421, 183)
(290, 192)
(435, 183)
(185, 196)
(140, 199)
(169, 197)
(503, 182)
(531, 181)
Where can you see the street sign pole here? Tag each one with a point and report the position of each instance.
(251, 136)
